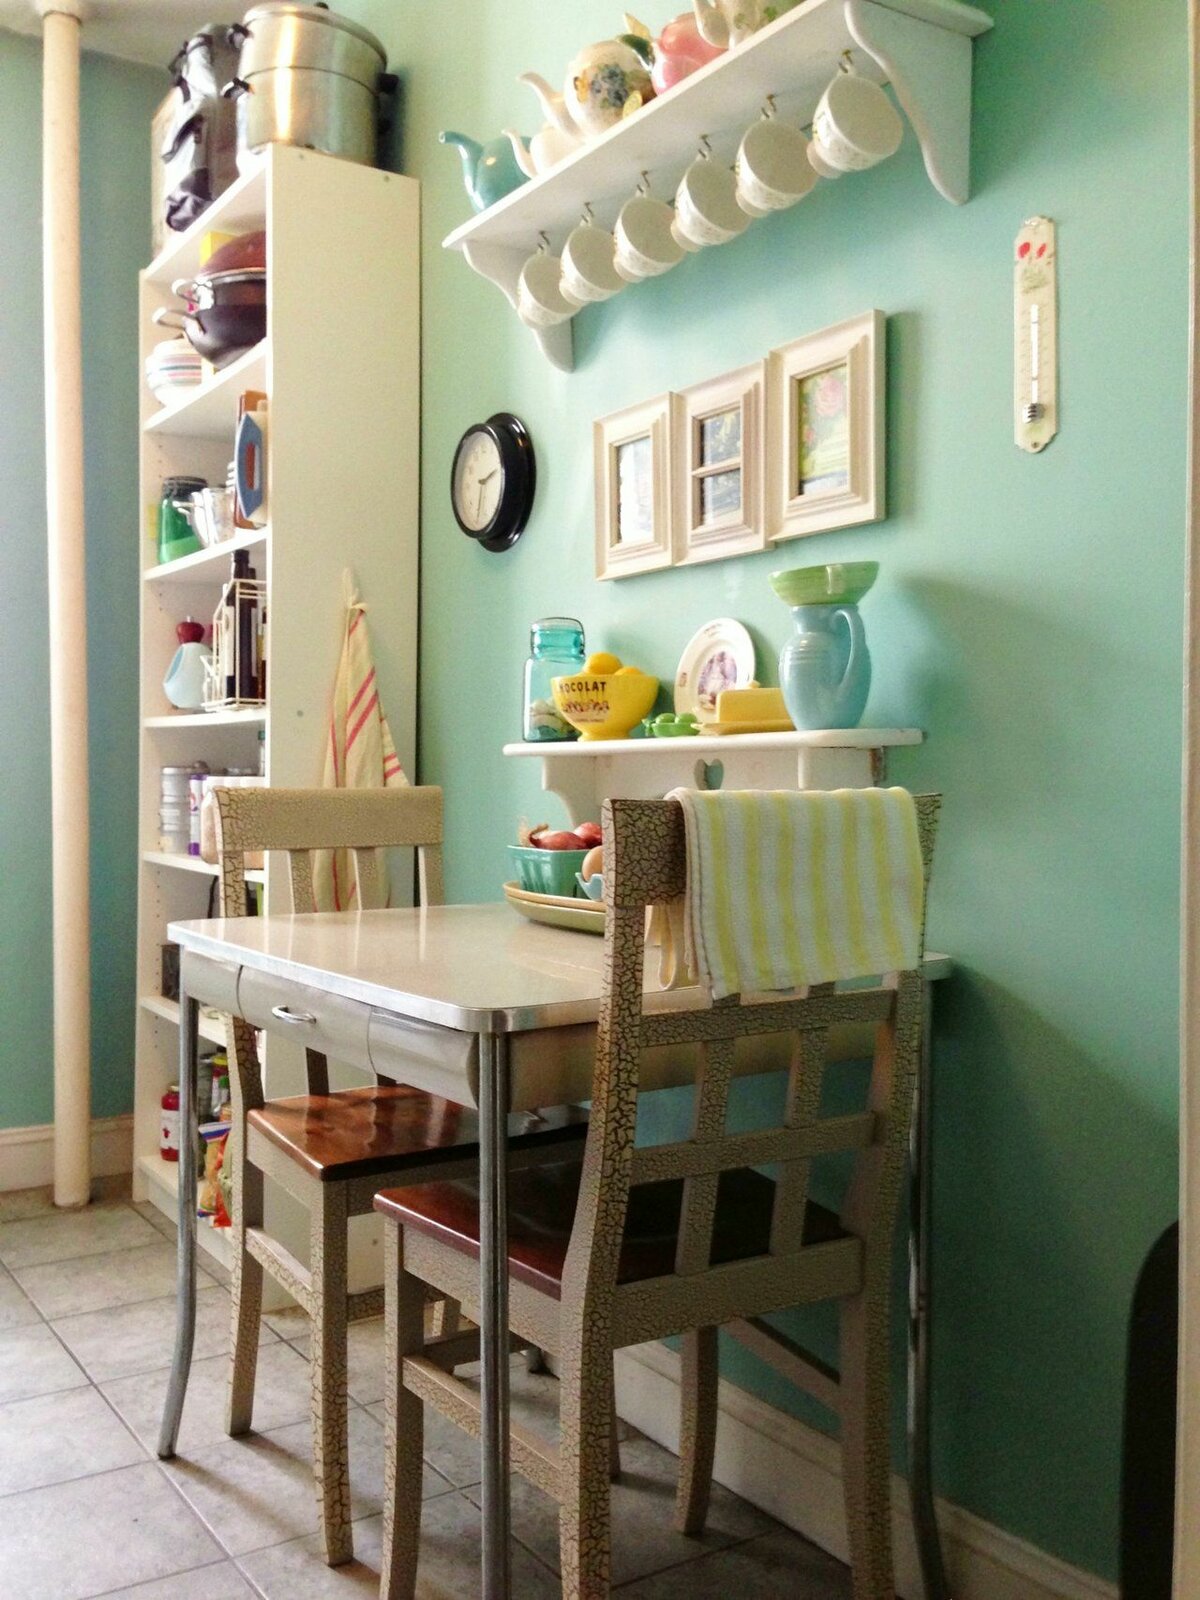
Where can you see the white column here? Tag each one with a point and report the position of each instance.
(61, 27)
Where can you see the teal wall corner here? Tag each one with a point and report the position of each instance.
(1028, 616)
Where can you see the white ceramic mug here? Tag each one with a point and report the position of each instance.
(772, 168)
(540, 300)
(854, 126)
(588, 270)
(706, 207)
(645, 242)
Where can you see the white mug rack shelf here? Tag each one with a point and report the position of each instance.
(923, 48)
(585, 772)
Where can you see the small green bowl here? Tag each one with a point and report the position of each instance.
(841, 583)
(546, 871)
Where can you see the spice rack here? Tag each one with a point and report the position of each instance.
(923, 48)
(342, 387)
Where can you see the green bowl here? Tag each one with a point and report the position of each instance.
(841, 583)
(546, 871)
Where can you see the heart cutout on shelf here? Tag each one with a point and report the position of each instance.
(709, 774)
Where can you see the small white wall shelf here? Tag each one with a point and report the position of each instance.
(588, 771)
(923, 48)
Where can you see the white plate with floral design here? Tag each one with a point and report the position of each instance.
(720, 655)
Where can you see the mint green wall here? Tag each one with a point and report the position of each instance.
(117, 103)
(1028, 616)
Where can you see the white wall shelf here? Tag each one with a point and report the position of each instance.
(163, 858)
(212, 1029)
(208, 719)
(922, 47)
(203, 412)
(202, 565)
(585, 772)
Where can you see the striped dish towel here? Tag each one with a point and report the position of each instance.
(788, 889)
(360, 753)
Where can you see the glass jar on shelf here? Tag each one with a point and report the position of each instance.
(556, 650)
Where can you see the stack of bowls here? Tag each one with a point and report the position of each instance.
(173, 367)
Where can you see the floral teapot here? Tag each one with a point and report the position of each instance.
(604, 82)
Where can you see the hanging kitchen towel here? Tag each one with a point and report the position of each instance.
(787, 889)
(360, 753)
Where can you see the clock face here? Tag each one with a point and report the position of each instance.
(492, 481)
(478, 480)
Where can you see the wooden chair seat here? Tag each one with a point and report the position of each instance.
(541, 1214)
(361, 1133)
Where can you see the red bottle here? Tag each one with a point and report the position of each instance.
(168, 1137)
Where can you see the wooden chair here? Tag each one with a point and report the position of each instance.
(332, 1151)
(627, 1244)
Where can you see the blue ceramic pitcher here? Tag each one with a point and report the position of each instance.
(825, 667)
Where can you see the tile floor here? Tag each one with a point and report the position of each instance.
(86, 1510)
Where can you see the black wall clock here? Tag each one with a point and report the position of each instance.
(492, 481)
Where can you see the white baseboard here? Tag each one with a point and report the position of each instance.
(27, 1154)
(795, 1474)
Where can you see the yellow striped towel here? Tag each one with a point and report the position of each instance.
(788, 889)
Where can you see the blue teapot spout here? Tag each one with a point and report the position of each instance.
(469, 149)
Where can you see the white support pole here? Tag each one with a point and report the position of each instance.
(63, 339)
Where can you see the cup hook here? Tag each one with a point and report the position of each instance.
(768, 109)
(705, 147)
(846, 61)
(644, 184)
(543, 244)
(586, 214)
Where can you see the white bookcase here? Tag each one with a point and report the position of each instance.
(341, 368)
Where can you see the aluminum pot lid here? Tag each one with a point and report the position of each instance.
(317, 14)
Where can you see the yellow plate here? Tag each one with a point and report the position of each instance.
(556, 910)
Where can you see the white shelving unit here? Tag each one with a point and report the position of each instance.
(341, 368)
(923, 48)
(585, 772)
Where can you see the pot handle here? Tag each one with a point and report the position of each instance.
(161, 319)
(237, 33)
(235, 88)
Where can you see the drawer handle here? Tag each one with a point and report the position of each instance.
(286, 1014)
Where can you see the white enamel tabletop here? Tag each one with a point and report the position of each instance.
(473, 968)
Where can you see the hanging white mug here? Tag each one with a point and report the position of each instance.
(646, 245)
(588, 270)
(540, 300)
(706, 207)
(772, 168)
(855, 125)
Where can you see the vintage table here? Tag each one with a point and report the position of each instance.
(482, 1007)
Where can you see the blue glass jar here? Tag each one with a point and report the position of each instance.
(556, 650)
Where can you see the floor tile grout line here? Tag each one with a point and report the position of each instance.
(163, 1577)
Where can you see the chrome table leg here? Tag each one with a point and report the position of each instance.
(185, 1282)
(920, 1483)
(493, 1302)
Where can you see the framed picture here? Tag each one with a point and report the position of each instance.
(633, 489)
(717, 471)
(825, 429)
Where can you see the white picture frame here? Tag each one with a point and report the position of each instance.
(717, 466)
(632, 459)
(838, 372)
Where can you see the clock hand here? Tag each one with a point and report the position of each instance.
(490, 475)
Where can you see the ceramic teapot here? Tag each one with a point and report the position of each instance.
(607, 81)
(548, 146)
(728, 23)
(490, 170)
(679, 50)
(184, 682)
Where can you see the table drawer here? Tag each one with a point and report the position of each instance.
(312, 1017)
(437, 1060)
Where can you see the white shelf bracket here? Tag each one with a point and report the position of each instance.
(501, 264)
(929, 68)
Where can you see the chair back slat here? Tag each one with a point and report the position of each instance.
(646, 862)
(694, 1246)
(298, 822)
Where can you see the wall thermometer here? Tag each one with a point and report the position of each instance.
(1035, 309)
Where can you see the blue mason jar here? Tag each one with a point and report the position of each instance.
(556, 650)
